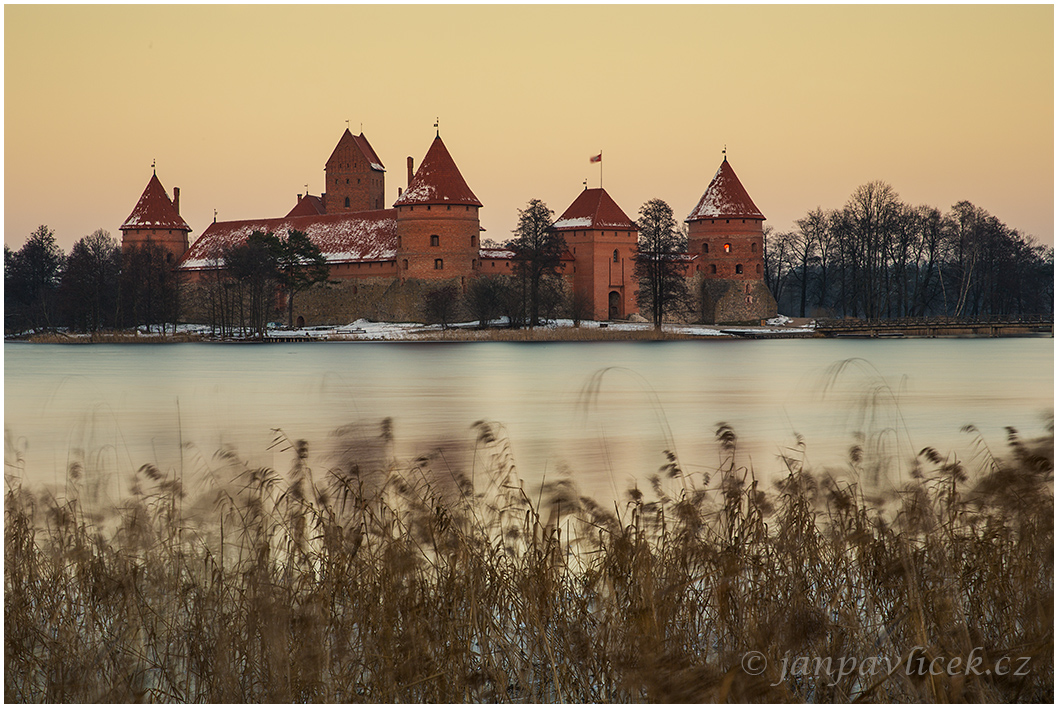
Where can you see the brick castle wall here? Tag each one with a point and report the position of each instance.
(453, 253)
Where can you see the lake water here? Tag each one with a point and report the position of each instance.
(604, 411)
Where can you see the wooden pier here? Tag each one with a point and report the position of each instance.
(996, 326)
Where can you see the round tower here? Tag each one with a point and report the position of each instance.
(726, 233)
(156, 219)
(437, 220)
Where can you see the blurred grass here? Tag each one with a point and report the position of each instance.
(380, 582)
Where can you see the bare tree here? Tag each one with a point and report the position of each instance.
(89, 289)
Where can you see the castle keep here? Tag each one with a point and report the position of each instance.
(432, 233)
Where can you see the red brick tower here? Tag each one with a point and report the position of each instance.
(603, 241)
(356, 179)
(437, 220)
(726, 231)
(156, 219)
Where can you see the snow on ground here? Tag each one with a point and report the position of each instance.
(385, 331)
(369, 330)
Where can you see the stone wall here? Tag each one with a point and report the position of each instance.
(384, 299)
(727, 301)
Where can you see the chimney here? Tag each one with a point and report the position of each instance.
(176, 200)
(399, 192)
(411, 168)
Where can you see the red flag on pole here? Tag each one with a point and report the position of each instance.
(596, 158)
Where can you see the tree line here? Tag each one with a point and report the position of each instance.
(97, 286)
(100, 286)
(878, 257)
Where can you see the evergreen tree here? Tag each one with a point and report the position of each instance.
(659, 266)
(538, 254)
(299, 265)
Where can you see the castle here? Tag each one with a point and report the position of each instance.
(432, 233)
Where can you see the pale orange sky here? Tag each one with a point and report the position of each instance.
(242, 105)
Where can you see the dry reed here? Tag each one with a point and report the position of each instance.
(373, 582)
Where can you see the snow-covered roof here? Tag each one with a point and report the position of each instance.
(155, 210)
(725, 198)
(438, 181)
(356, 236)
(348, 141)
(496, 253)
(594, 209)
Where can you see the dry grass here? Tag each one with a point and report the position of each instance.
(367, 583)
(116, 337)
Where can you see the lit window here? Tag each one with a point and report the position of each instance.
(738, 268)
(727, 248)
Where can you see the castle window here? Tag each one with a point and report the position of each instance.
(727, 221)
(438, 264)
(473, 239)
(712, 268)
(616, 256)
(753, 247)
(449, 208)
(398, 241)
(346, 201)
(758, 269)
(435, 240)
(427, 208)
(727, 248)
(705, 248)
(738, 268)
(405, 264)
(347, 180)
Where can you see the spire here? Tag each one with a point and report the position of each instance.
(438, 181)
(725, 198)
(155, 210)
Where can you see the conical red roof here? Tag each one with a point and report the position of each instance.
(438, 181)
(155, 210)
(358, 142)
(594, 209)
(725, 198)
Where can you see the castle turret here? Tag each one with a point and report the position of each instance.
(156, 219)
(602, 240)
(726, 231)
(356, 179)
(437, 220)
